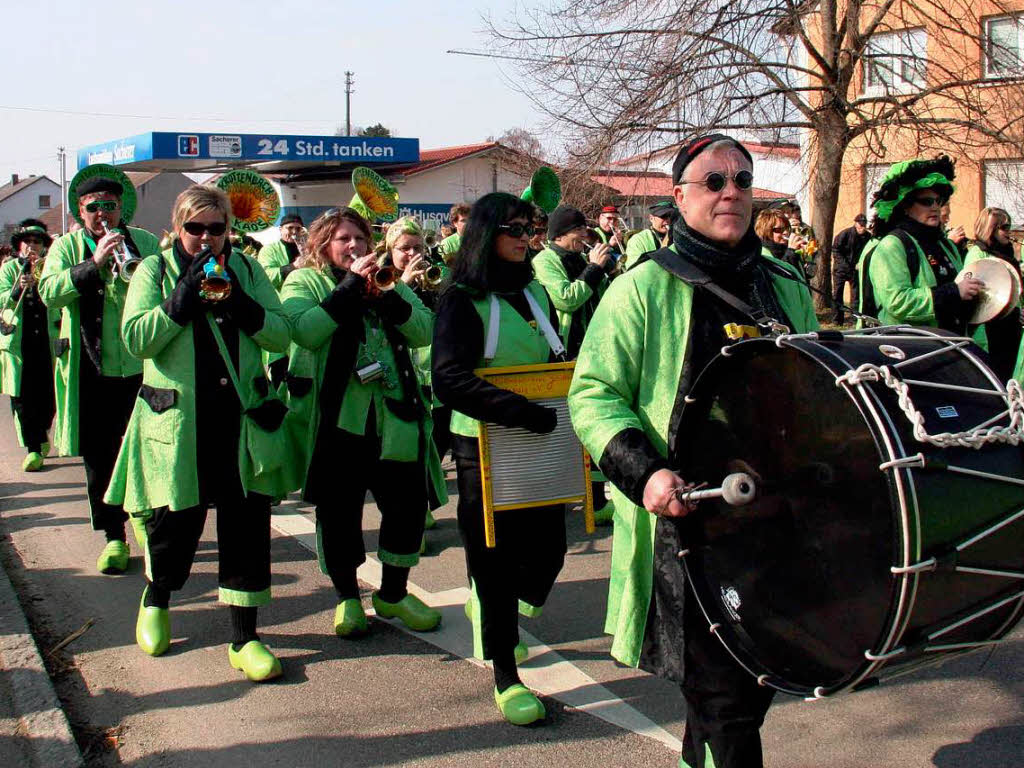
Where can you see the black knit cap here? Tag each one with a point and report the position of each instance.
(688, 153)
(291, 218)
(99, 184)
(564, 219)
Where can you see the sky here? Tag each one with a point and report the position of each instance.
(246, 67)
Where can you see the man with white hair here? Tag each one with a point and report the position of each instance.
(654, 331)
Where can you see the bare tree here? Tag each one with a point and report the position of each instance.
(880, 78)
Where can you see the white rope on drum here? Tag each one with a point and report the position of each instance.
(1012, 433)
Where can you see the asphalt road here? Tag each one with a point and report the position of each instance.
(397, 699)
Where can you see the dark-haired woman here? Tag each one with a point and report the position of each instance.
(369, 423)
(493, 279)
(909, 276)
(992, 240)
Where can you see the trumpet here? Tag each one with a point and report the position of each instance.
(432, 278)
(124, 263)
(216, 283)
(9, 315)
(430, 239)
(385, 278)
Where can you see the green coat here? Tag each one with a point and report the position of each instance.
(272, 257)
(627, 377)
(568, 295)
(156, 466)
(10, 375)
(450, 246)
(313, 331)
(57, 291)
(639, 244)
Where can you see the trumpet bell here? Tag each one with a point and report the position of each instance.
(128, 267)
(432, 277)
(384, 279)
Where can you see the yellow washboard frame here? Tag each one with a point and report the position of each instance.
(534, 382)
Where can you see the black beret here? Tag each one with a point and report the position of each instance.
(662, 210)
(688, 153)
(564, 219)
(99, 184)
(291, 218)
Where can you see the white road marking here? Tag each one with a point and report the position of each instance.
(545, 671)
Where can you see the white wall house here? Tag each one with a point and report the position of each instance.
(30, 197)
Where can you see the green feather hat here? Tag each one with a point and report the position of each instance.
(910, 176)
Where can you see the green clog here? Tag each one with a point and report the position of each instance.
(350, 618)
(153, 629)
(33, 462)
(519, 705)
(414, 613)
(256, 661)
(45, 449)
(521, 653)
(114, 557)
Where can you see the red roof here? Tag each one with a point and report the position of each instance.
(432, 158)
(51, 219)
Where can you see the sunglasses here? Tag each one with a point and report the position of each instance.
(927, 201)
(102, 205)
(1004, 227)
(517, 230)
(196, 229)
(715, 182)
(781, 230)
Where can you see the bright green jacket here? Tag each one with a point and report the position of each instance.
(272, 257)
(639, 244)
(568, 296)
(627, 377)
(156, 466)
(312, 332)
(57, 290)
(10, 345)
(450, 246)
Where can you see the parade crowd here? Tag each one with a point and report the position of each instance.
(345, 358)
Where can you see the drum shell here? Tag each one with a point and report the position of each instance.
(800, 581)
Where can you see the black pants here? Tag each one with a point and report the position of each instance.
(725, 707)
(34, 407)
(523, 566)
(398, 487)
(442, 418)
(105, 405)
(243, 543)
(839, 280)
(278, 371)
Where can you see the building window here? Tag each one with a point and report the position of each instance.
(44, 201)
(895, 61)
(1004, 187)
(873, 175)
(1004, 46)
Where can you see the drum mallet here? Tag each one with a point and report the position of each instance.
(737, 489)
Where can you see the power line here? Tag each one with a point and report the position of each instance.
(157, 117)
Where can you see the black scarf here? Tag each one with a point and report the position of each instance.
(573, 261)
(931, 239)
(740, 270)
(508, 276)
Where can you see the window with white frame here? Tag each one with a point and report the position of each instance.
(1004, 187)
(1004, 46)
(896, 61)
(873, 175)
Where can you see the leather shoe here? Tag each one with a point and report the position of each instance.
(256, 661)
(349, 618)
(414, 613)
(519, 705)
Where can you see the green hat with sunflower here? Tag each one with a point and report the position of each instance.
(910, 176)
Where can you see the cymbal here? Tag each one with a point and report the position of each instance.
(1001, 292)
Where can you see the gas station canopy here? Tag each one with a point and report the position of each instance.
(271, 153)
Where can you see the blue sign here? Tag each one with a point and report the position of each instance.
(223, 148)
(431, 215)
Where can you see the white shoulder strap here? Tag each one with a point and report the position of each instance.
(544, 324)
(493, 328)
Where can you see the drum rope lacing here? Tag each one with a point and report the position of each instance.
(982, 435)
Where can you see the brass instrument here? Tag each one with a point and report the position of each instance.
(9, 315)
(216, 283)
(124, 263)
(430, 239)
(432, 278)
(385, 278)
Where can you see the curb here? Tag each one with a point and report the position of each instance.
(49, 741)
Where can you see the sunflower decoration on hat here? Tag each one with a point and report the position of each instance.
(909, 176)
(254, 203)
(103, 178)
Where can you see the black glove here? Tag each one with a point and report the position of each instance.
(184, 302)
(247, 313)
(346, 298)
(540, 419)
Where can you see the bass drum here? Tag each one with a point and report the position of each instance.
(867, 552)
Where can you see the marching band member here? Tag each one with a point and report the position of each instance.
(278, 258)
(607, 227)
(405, 249)
(201, 430)
(992, 239)
(97, 379)
(908, 275)
(492, 279)
(575, 284)
(538, 240)
(27, 343)
(458, 216)
(650, 337)
(660, 216)
(369, 424)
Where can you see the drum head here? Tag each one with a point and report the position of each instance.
(799, 579)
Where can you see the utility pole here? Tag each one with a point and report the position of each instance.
(62, 157)
(348, 102)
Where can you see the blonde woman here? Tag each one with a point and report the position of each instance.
(992, 239)
(201, 431)
(369, 422)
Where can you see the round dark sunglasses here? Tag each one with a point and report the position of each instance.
(517, 230)
(715, 182)
(197, 229)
